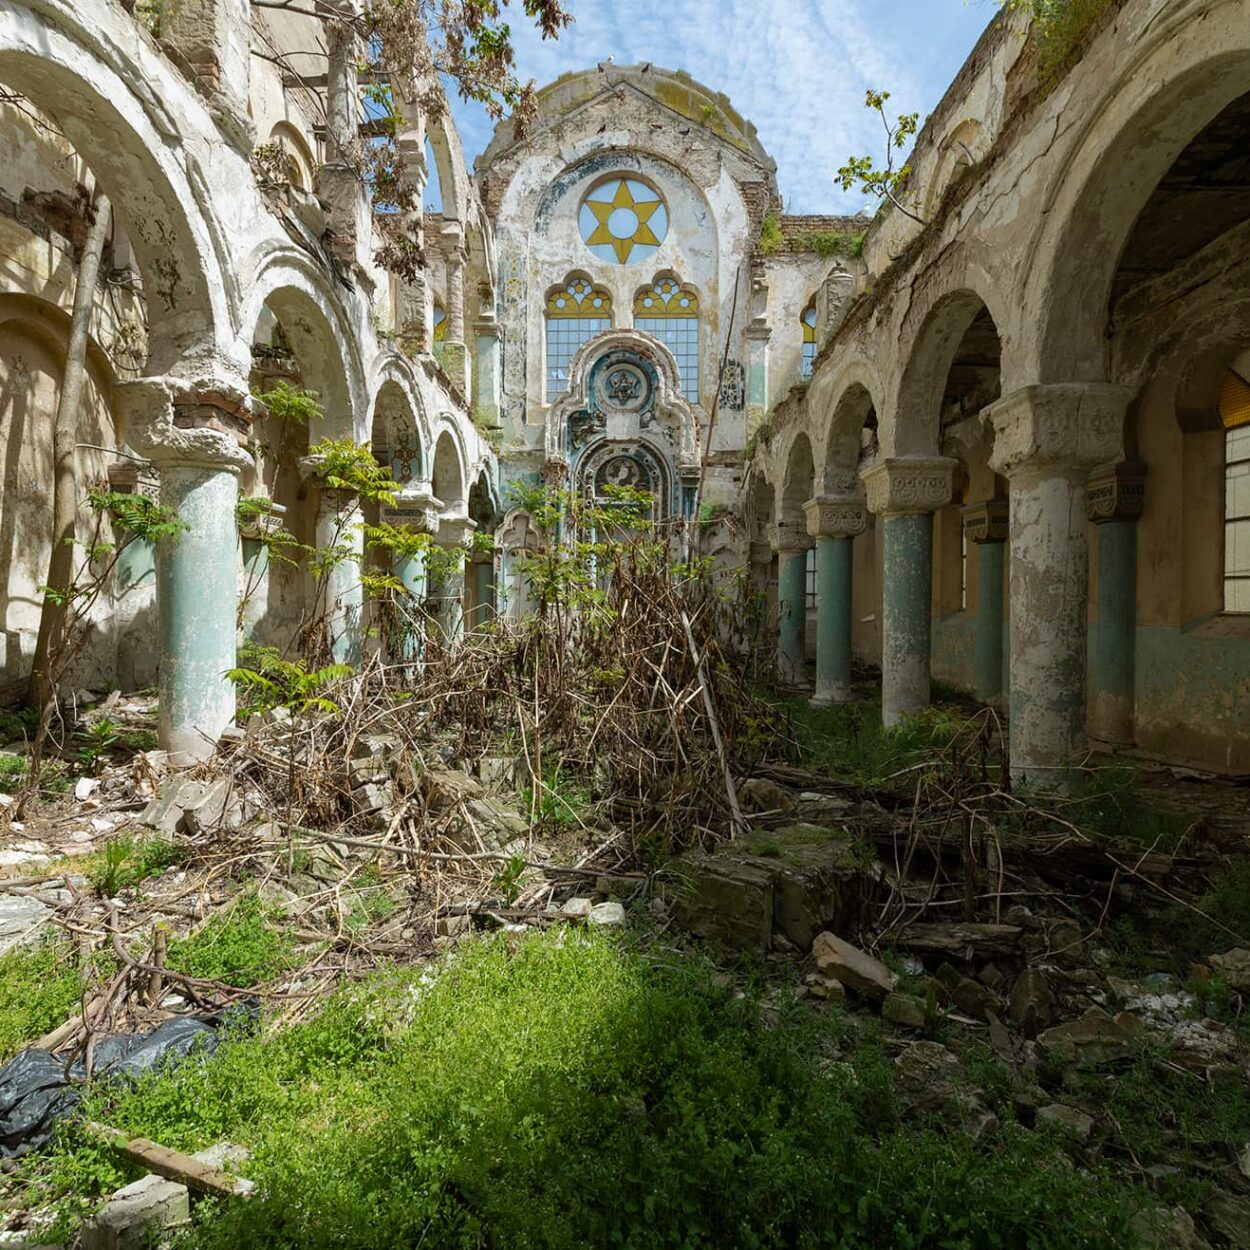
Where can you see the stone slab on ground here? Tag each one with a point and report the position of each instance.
(856, 969)
(128, 1220)
(20, 920)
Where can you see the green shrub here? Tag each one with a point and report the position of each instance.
(241, 946)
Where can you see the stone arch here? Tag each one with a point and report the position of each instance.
(393, 377)
(453, 175)
(83, 79)
(1194, 62)
(839, 440)
(962, 148)
(299, 153)
(396, 433)
(798, 479)
(930, 353)
(449, 470)
(321, 336)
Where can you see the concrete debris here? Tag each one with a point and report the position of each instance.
(817, 985)
(131, 1218)
(1090, 1041)
(85, 787)
(21, 919)
(855, 969)
(577, 909)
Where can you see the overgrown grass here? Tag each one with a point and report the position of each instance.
(244, 945)
(39, 988)
(569, 1091)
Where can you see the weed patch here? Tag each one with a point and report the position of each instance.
(39, 988)
(570, 1091)
(242, 946)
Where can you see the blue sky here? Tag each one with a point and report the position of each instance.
(797, 68)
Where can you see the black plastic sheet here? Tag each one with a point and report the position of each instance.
(36, 1092)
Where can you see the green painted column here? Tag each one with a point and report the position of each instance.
(342, 595)
(411, 571)
(453, 537)
(905, 492)
(1115, 498)
(834, 522)
(483, 590)
(196, 594)
(792, 614)
(1046, 441)
(985, 526)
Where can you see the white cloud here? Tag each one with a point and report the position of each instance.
(797, 68)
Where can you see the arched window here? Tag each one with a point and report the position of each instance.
(670, 312)
(809, 339)
(576, 311)
(1235, 417)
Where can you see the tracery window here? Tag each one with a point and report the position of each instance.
(670, 312)
(809, 339)
(576, 311)
(623, 220)
(1235, 417)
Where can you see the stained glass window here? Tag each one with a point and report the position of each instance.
(670, 312)
(809, 339)
(576, 311)
(1235, 417)
(623, 220)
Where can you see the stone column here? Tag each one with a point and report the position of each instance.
(483, 588)
(1046, 440)
(791, 543)
(455, 354)
(415, 509)
(985, 526)
(210, 40)
(905, 493)
(338, 179)
(758, 335)
(453, 537)
(486, 369)
(196, 435)
(834, 523)
(1115, 499)
(340, 595)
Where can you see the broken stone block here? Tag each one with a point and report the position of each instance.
(446, 788)
(789, 883)
(853, 967)
(1229, 1216)
(1031, 1004)
(1090, 1041)
(1234, 967)
(20, 920)
(1074, 1123)
(966, 995)
(902, 1009)
(606, 915)
(1168, 1230)
(372, 797)
(130, 1218)
(499, 770)
(577, 909)
(217, 806)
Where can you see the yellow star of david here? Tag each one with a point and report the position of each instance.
(642, 234)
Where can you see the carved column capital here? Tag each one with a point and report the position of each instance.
(789, 538)
(836, 516)
(986, 522)
(175, 421)
(909, 484)
(414, 508)
(454, 531)
(1065, 427)
(1116, 492)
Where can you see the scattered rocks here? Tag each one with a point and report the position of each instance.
(1228, 1216)
(932, 1080)
(21, 918)
(1168, 1230)
(817, 985)
(960, 941)
(577, 909)
(848, 964)
(1074, 1123)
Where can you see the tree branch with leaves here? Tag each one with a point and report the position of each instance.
(884, 182)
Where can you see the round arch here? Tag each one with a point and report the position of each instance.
(1176, 81)
(449, 471)
(159, 193)
(797, 478)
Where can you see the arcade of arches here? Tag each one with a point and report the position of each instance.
(1007, 448)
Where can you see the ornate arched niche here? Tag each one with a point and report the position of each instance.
(624, 423)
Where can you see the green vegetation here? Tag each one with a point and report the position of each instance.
(17, 724)
(39, 988)
(571, 1091)
(242, 946)
(1059, 28)
(12, 770)
(559, 800)
(291, 403)
(771, 238)
(126, 861)
(832, 242)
